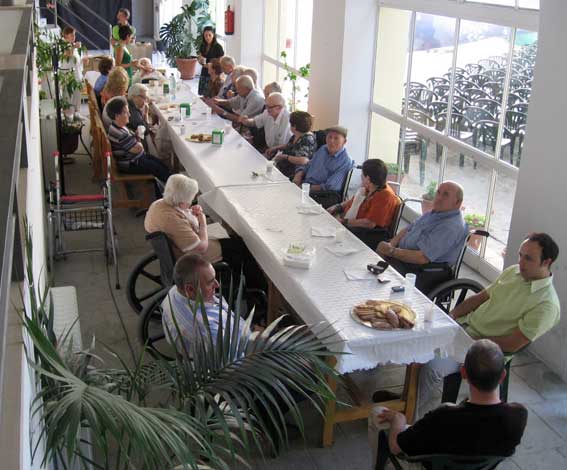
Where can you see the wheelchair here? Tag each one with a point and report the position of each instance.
(152, 278)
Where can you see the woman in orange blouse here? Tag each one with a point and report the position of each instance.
(373, 206)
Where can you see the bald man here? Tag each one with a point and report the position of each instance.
(435, 237)
(274, 120)
(248, 101)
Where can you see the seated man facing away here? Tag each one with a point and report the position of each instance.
(435, 237)
(370, 212)
(248, 101)
(193, 274)
(519, 307)
(480, 426)
(328, 168)
(274, 120)
(126, 148)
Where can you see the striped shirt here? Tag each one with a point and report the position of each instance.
(122, 140)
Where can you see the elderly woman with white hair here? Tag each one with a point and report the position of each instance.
(146, 73)
(185, 224)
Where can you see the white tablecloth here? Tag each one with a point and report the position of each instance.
(213, 166)
(267, 219)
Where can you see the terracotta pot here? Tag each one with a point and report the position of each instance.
(186, 68)
(426, 206)
(475, 241)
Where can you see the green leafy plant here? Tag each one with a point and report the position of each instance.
(182, 36)
(475, 221)
(392, 168)
(430, 191)
(293, 76)
(224, 393)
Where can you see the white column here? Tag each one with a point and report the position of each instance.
(342, 53)
(540, 194)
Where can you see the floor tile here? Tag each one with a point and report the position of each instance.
(549, 459)
(541, 379)
(538, 436)
(554, 413)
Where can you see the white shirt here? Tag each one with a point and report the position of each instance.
(277, 130)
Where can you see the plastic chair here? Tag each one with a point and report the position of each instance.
(434, 81)
(473, 69)
(494, 89)
(479, 79)
(492, 106)
(515, 123)
(488, 64)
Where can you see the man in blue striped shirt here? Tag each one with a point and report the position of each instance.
(328, 168)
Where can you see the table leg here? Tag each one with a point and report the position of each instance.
(274, 301)
(331, 406)
(409, 395)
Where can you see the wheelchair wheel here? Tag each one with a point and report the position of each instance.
(151, 332)
(144, 282)
(451, 293)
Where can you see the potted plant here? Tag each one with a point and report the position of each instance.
(182, 37)
(475, 221)
(393, 169)
(428, 196)
(199, 411)
(291, 75)
(71, 127)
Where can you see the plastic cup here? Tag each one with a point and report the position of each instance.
(141, 131)
(269, 167)
(429, 313)
(227, 129)
(410, 280)
(305, 189)
(340, 235)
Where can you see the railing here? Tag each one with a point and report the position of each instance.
(93, 18)
(15, 84)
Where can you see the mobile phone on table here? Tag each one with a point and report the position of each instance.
(377, 268)
(398, 288)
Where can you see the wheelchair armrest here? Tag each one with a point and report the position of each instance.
(435, 267)
(222, 267)
(326, 198)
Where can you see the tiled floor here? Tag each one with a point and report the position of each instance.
(545, 440)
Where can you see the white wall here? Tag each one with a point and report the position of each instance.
(245, 45)
(540, 194)
(143, 17)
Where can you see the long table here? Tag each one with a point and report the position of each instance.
(264, 212)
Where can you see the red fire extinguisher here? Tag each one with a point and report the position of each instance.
(228, 21)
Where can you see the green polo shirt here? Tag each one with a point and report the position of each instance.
(532, 306)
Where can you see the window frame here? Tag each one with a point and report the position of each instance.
(507, 16)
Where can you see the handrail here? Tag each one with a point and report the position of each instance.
(75, 15)
(93, 13)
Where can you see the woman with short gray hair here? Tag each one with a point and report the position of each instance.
(185, 224)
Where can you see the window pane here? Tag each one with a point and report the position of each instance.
(500, 219)
(271, 28)
(420, 164)
(523, 61)
(269, 73)
(391, 57)
(297, 99)
(287, 30)
(479, 83)
(385, 142)
(531, 4)
(475, 179)
(432, 56)
(303, 33)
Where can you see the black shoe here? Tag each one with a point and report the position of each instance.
(384, 395)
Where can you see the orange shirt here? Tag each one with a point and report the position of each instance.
(380, 207)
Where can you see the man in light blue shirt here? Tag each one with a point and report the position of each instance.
(194, 274)
(328, 168)
(435, 237)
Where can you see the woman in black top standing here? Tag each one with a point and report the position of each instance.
(210, 49)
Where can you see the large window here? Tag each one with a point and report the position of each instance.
(450, 102)
(287, 29)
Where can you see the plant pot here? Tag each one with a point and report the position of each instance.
(186, 68)
(426, 206)
(475, 241)
(69, 143)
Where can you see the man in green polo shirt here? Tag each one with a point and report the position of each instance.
(123, 16)
(519, 307)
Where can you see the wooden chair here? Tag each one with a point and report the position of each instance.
(98, 165)
(144, 182)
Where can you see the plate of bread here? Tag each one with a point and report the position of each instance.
(384, 315)
(200, 138)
